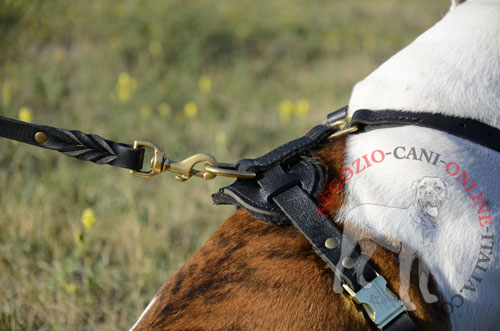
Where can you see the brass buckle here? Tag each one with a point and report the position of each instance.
(185, 168)
(381, 305)
(343, 126)
(156, 160)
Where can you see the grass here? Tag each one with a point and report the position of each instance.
(230, 78)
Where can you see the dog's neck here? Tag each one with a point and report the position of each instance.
(453, 68)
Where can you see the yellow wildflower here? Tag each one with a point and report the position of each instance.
(72, 288)
(242, 31)
(154, 29)
(286, 109)
(6, 94)
(45, 17)
(155, 48)
(369, 42)
(88, 218)
(71, 11)
(333, 39)
(58, 54)
(205, 83)
(230, 15)
(25, 114)
(288, 16)
(190, 109)
(146, 112)
(302, 108)
(125, 86)
(164, 109)
(119, 10)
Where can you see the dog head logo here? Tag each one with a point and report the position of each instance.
(429, 194)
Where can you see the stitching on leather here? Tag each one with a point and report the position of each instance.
(258, 203)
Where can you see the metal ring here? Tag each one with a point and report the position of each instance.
(229, 173)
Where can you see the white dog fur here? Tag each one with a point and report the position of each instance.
(454, 69)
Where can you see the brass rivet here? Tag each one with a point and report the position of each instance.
(40, 137)
(331, 243)
(348, 263)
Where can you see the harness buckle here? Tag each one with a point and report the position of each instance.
(185, 168)
(381, 304)
(343, 127)
(156, 160)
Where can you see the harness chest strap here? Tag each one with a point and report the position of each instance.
(288, 182)
(283, 192)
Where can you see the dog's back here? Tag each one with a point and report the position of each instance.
(251, 275)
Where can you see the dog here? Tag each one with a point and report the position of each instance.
(428, 196)
(374, 222)
(251, 275)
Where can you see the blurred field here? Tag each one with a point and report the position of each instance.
(85, 247)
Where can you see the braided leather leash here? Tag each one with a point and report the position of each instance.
(85, 147)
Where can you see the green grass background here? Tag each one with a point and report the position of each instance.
(63, 61)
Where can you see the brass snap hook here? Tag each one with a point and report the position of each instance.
(185, 168)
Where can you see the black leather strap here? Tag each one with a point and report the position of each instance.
(288, 191)
(316, 228)
(86, 147)
(402, 323)
(286, 151)
(283, 186)
(248, 194)
(466, 128)
(256, 195)
(287, 183)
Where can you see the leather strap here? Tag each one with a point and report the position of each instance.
(287, 183)
(86, 147)
(248, 194)
(402, 323)
(287, 151)
(466, 128)
(316, 228)
(285, 191)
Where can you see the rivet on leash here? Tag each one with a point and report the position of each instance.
(331, 243)
(40, 137)
(348, 263)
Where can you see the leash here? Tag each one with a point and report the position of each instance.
(280, 187)
(93, 148)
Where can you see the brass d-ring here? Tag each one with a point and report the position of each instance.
(228, 172)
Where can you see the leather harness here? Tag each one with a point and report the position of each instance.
(283, 188)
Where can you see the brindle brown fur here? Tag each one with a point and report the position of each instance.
(254, 276)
